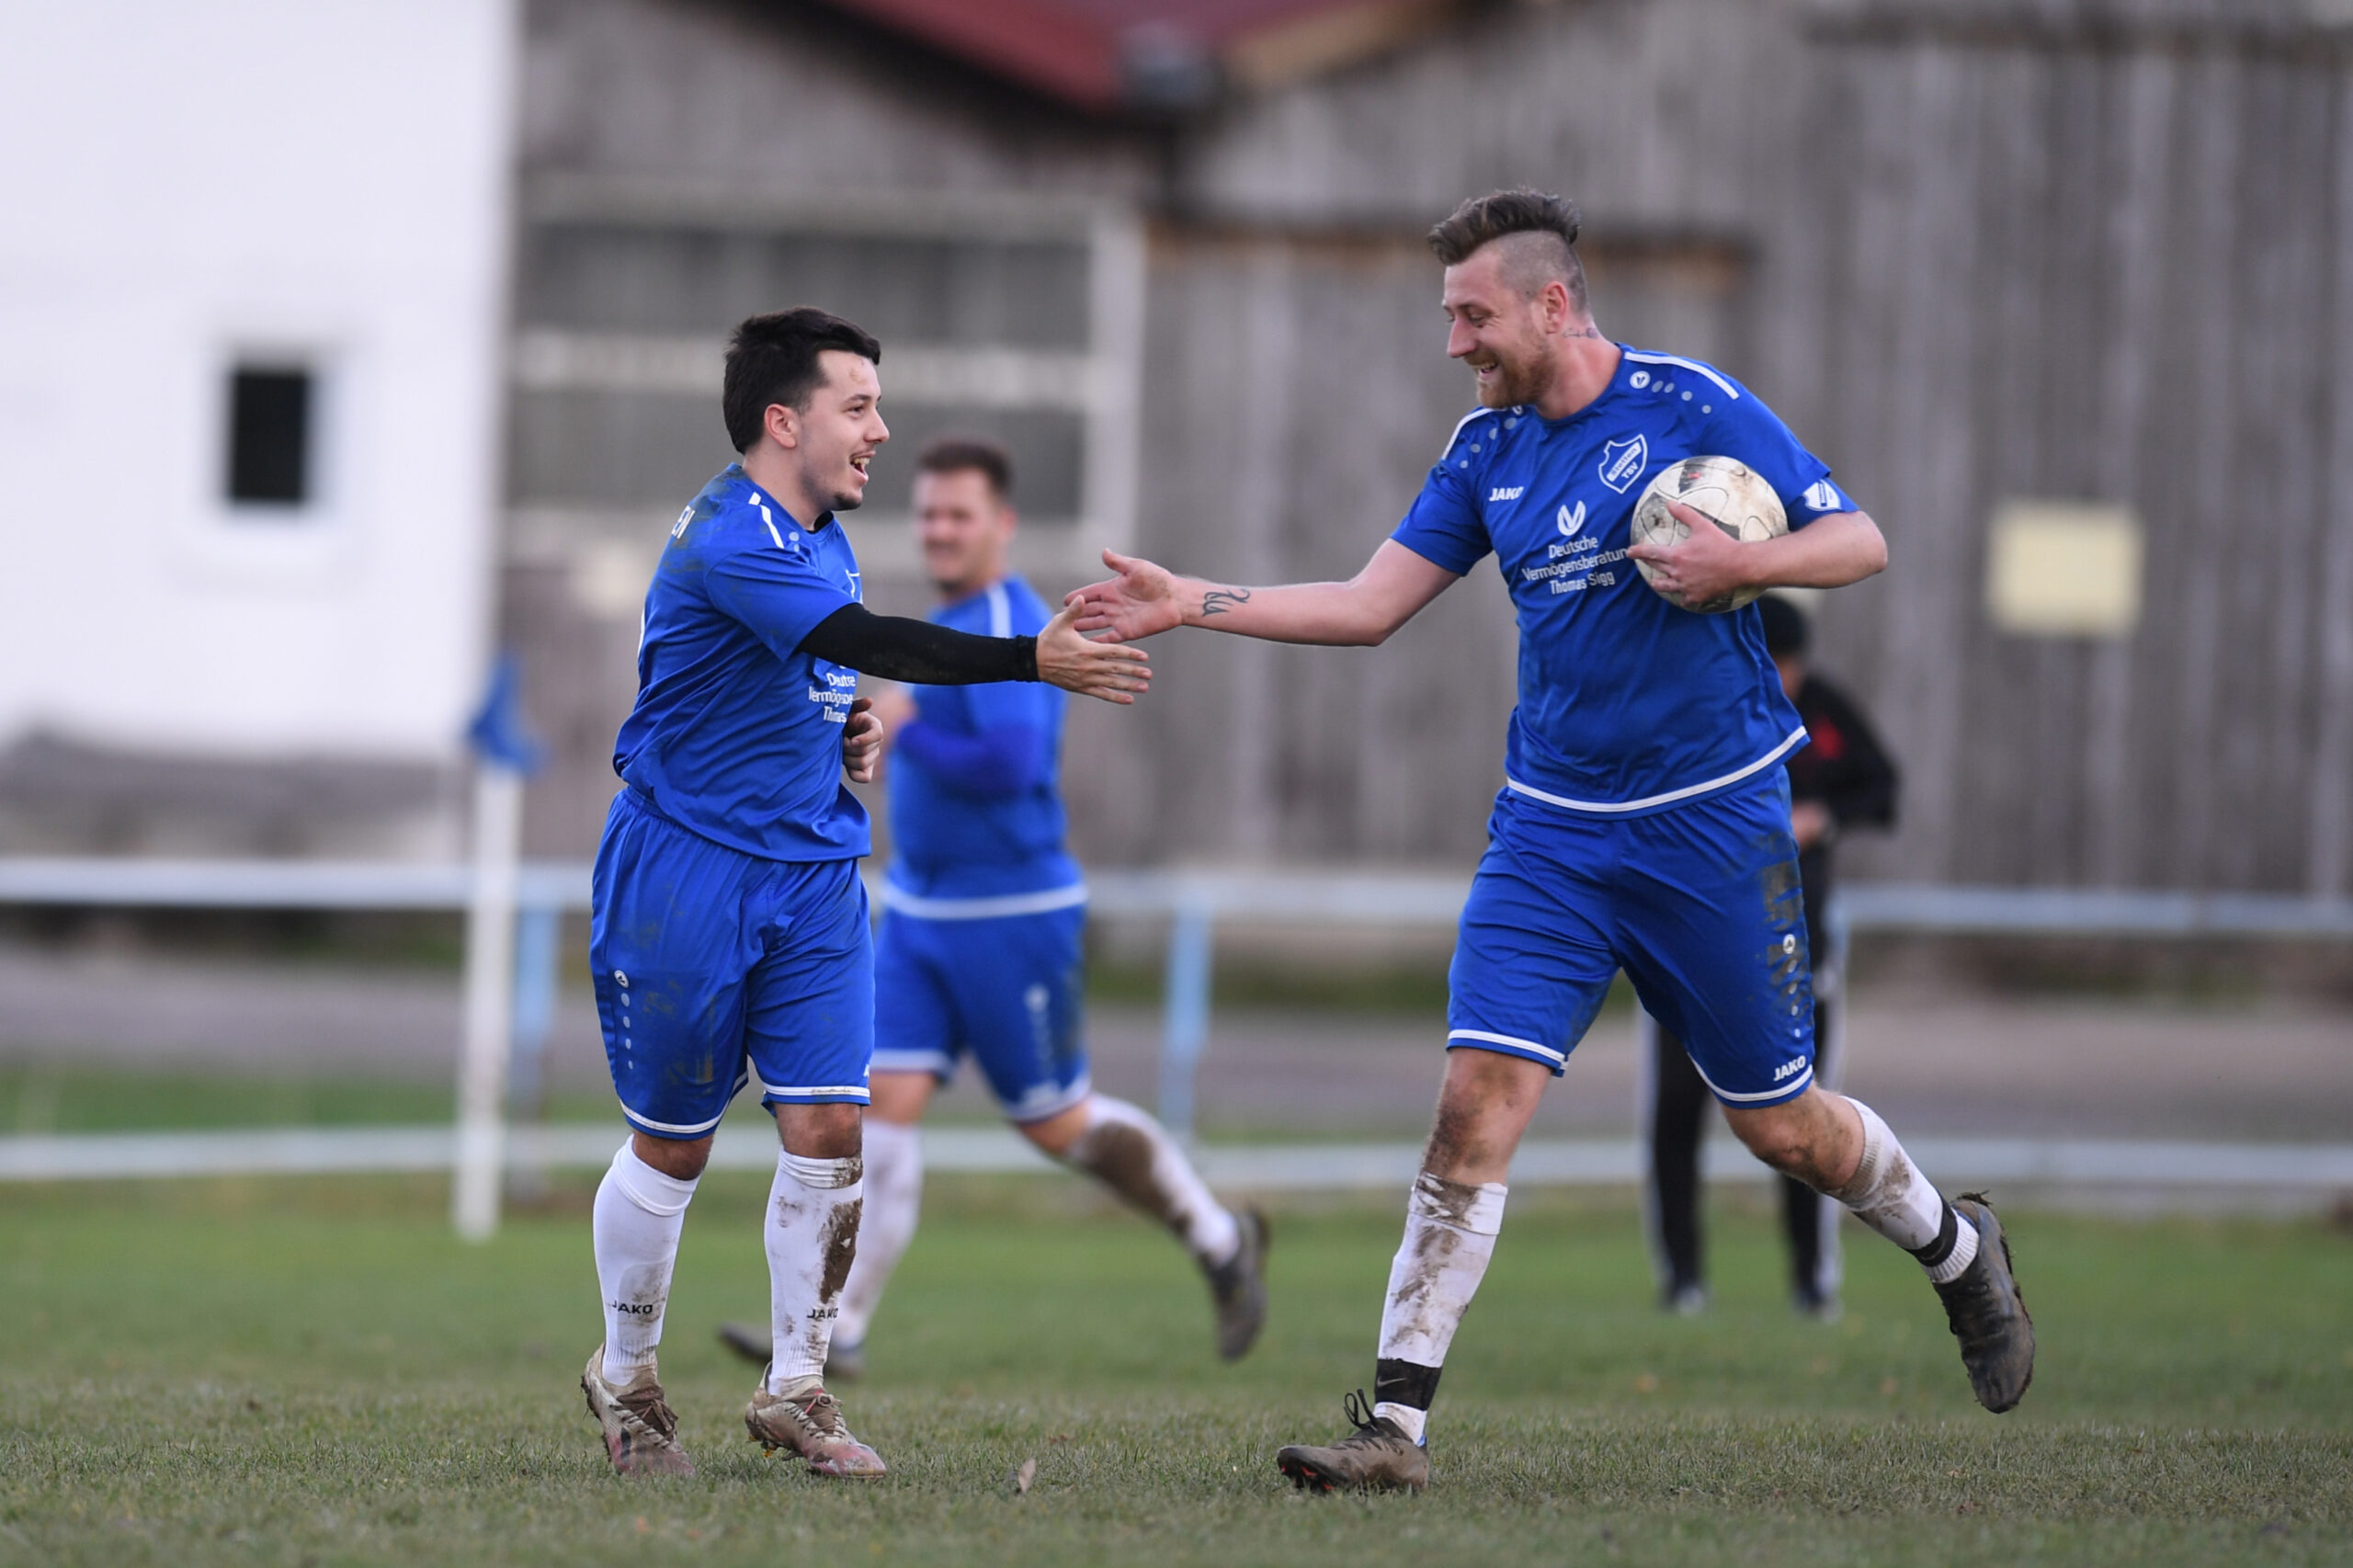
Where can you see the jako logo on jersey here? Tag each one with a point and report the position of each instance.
(1513, 494)
(1788, 1068)
(1570, 522)
(1622, 463)
(1823, 496)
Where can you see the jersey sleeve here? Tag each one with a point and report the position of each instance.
(1744, 428)
(779, 595)
(1444, 526)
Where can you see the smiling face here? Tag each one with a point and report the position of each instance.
(964, 527)
(1507, 333)
(835, 438)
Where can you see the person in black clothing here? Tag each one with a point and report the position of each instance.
(1841, 779)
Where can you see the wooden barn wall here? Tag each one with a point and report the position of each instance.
(2106, 265)
(1297, 391)
(2103, 254)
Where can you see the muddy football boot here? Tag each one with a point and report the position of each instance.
(809, 1424)
(1377, 1456)
(1988, 1315)
(1238, 1289)
(641, 1435)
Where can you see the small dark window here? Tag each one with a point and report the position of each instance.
(270, 415)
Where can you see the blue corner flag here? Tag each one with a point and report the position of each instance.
(497, 732)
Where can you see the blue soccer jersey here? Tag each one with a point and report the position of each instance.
(1627, 703)
(976, 808)
(737, 733)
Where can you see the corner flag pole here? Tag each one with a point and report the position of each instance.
(504, 755)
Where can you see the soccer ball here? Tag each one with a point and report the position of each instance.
(1726, 492)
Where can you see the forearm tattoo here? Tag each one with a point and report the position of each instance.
(1217, 602)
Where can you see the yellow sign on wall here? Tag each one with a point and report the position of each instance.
(2064, 569)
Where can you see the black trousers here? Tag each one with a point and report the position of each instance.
(1675, 1121)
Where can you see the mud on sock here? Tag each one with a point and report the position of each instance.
(635, 1228)
(811, 1235)
(1889, 1194)
(1130, 1152)
(1450, 1229)
(893, 1203)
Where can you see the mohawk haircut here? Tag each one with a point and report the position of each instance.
(969, 454)
(1550, 222)
(773, 359)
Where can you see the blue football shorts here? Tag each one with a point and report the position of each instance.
(1007, 989)
(1700, 904)
(715, 969)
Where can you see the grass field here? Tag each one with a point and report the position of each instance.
(314, 1373)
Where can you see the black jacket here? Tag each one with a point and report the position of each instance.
(1844, 767)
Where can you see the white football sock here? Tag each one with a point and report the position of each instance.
(1890, 1195)
(1130, 1152)
(1450, 1229)
(811, 1237)
(893, 1200)
(635, 1228)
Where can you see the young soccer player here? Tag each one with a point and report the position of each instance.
(728, 934)
(1646, 820)
(979, 949)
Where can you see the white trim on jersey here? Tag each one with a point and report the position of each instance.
(1797, 738)
(992, 908)
(858, 1089)
(1517, 1043)
(771, 523)
(1000, 611)
(1691, 365)
(1800, 1081)
(1457, 433)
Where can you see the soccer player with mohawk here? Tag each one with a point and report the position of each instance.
(1645, 821)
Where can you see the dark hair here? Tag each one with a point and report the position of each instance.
(1786, 632)
(1482, 220)
(962, 454)
(773, 359)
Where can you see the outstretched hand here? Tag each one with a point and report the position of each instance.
(1140, 602)
(1069, 659)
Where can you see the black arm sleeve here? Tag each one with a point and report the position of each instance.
(897, 648)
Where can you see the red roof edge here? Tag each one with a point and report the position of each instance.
(1039, 45)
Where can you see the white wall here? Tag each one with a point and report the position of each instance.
(188, 180)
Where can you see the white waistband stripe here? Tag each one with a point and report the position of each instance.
(903, 903)
(1796, 739)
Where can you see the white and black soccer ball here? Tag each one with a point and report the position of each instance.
(1726, 492)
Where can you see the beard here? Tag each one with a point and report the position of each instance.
(1519, 382)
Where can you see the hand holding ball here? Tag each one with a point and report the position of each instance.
(1726, 492)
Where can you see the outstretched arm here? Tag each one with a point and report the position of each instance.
(903, 648)
(1145, 599)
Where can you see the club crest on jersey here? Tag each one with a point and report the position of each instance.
(1823, 496)
(1622, 463)
(1571, 521)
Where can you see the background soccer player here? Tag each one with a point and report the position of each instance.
(1644, 822)
(1839, 778)
(979, 950)
(728, 934)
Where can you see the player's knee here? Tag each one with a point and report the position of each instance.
(821, 1131)
(680, 1160)
(1783, 1136)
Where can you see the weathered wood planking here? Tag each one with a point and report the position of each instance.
(1971, 252)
